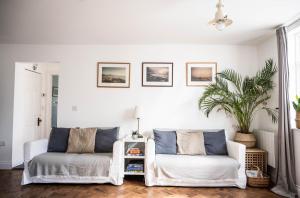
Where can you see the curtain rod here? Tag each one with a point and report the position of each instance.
(292, 23)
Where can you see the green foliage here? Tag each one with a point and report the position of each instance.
(241, 97)
(296, 104)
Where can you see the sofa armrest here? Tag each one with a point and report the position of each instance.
(237, 151)
(34, 148)
(117, 168)
(150, 162)
(118, 151)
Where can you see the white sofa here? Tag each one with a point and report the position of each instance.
(196, 170)
(38, 148)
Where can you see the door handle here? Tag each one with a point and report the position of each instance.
(39, 120)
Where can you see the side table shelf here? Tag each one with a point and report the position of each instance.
(134, 156)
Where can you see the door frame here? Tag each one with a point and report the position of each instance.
(48, 102)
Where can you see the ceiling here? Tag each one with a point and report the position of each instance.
(139, 21)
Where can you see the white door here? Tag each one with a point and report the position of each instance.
(27, 109)
(32, 105)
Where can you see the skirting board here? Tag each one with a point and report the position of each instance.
(5, 165)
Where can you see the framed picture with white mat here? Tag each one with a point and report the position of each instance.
(157, 74)
(200, 73)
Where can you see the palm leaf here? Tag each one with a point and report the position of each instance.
(233, 77)
(272, 112)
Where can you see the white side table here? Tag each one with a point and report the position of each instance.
(139, 143)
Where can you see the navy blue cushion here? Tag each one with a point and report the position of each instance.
(58, 140)
(215, 143)
(105, 139)
(165, 142)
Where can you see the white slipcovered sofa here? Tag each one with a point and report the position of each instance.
(196, 170)
(105, 167)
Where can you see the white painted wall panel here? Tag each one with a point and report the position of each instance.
(175, 107)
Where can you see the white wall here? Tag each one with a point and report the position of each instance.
(266, 50)
(174, 107)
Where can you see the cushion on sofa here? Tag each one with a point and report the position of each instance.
(165, 142)
(190, 142)
(82, 140)
(58, 140)
(215, 143)
(105, 139)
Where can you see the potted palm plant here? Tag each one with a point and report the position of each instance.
(241, 98)
(296, 105)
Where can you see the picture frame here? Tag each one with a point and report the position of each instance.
(201, 73)
(157, 74)
(113, 75)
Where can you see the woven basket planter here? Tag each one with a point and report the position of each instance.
(248, 139)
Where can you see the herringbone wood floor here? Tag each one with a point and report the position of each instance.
(132, 188)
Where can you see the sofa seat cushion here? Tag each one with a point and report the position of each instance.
(70, 164)
(196, 167)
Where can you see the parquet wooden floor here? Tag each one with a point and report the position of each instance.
(133, 188)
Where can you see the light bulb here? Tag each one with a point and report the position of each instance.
(220, 26)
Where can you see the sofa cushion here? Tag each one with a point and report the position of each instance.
(196, 167)
(52, 165)
(165, 142)
(58, 140)
(215, 143)
(190, 142)
(105, 139)
(82, 140)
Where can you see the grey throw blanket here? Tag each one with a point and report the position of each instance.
(70, 164)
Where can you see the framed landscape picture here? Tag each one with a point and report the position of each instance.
(113, 74)
(200, 73)
(157, 74)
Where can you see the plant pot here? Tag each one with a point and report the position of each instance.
(248, 139)
(297, 120)
(296, 133)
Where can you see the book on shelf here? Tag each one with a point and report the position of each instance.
(139, 170)
(141, 154)
(134, 151)
(135, 171)
(135, 167)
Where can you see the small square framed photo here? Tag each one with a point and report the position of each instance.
(113, 75)
(157, 74)
(200, 73)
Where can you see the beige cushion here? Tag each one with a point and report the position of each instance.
(190, 143)
(82, 140)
